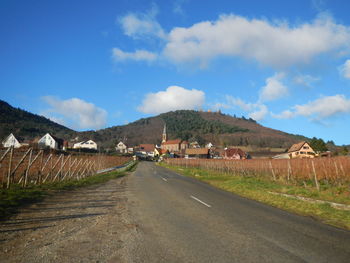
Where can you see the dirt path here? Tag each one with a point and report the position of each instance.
(86, 225)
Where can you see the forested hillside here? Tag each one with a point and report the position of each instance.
(26, 125)
(220, 129)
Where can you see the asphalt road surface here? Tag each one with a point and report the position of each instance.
(156, 215)
(180, 219)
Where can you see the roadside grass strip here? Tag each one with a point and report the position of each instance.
(301, 199)
(16, 196)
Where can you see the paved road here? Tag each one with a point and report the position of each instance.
(180, 219)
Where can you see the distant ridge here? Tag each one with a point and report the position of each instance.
(215, 127)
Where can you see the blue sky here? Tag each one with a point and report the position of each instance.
(95, 64)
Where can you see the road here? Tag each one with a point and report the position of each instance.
(156, 215)
(180, 219)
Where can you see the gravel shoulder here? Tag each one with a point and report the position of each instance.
(91, 224)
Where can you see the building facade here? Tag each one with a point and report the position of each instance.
(301, 150)
(11, 141)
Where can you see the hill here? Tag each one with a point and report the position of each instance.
(26, 125)
(218, 128)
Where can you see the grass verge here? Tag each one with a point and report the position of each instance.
(15, 197)
(258, 189)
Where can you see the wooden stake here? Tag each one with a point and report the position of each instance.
(315, 175)
(20, 162)
(9, 170)
(28, 167)
(273, 173)
(289, 171)
(60, 170)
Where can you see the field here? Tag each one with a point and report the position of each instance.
(318, 171)
(32, 166)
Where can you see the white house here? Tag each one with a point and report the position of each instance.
(50, 141)
(90, 144)
(11, 141)
(121, 147)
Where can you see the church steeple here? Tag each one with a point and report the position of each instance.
(164, 134)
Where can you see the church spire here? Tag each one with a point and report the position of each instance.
(164, 134)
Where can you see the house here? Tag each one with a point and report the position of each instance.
(121, 147)
(130, 150)
(147, 149)
(301, 150)
(216, 153)
(202, 153)
(11, 140)
(50, 141)
(234, 154)
(174, 145)
(158, 151)
(90, 144)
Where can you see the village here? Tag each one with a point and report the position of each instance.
(174, 148)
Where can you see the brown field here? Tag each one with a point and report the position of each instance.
(27, 166)
(335, 171)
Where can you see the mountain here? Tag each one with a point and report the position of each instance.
(215, 127)
(26, 126)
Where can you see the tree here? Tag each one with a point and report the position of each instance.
(318, 145)
(344, 151)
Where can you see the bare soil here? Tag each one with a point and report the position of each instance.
(90, 224)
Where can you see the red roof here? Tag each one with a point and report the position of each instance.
(234, 151)
(296, 147)
(177, 141)
(147, 147)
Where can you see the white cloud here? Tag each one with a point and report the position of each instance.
(173, 98)
(345, 69)
(319, 109)
(79, 113)
(279, 45)
(287, 114)
(274, 89)
(305, 80)
(259, 114)
(142, 25)
(241, 104)
(138, 55)
(257, 111)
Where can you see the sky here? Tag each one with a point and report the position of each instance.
(91, 64)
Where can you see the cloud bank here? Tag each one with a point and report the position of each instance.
(319, 109)
(76, 112)
(278, 45)
(173, 98)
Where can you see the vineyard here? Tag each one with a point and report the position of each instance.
(334, 171)
(32, 166)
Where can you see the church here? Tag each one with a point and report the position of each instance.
(177, 146)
